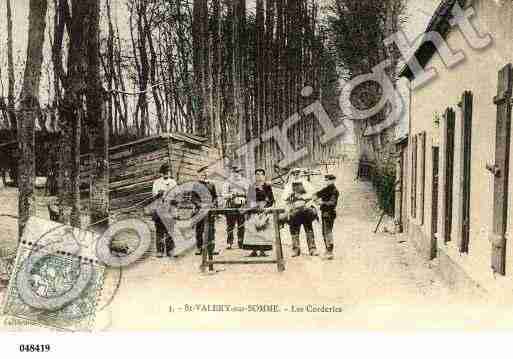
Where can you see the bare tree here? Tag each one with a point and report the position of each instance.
(71, 110)
(10, 68)
(97, 124)
(28, 110)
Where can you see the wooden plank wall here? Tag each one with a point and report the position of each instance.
(134, 166)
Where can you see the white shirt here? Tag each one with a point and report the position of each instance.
(287, 191)
(164, 185)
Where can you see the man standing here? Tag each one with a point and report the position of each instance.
(164, 241)
(199, 200)
(235, 198)
(328, 199)
(297, 194)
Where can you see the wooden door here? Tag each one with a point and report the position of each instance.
(500, 169)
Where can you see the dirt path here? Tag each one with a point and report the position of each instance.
(376, 280)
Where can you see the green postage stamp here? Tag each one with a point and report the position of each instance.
(56, 281)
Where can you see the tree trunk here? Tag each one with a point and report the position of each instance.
(98, 127)
(10, 69)
(71, 114)
(239, 39)
(28, 112)
(197, 48)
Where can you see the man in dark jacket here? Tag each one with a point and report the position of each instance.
(197, 198)
(235, 196)
(328, 199)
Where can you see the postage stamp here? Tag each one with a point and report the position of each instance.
(56, 281)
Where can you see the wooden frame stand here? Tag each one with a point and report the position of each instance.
(208, 245)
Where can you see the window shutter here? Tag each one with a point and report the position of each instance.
(501, 169)
(446, 175)
(422, 193)
(465, 158)
(414, 177)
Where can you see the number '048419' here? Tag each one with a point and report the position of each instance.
(34, 348)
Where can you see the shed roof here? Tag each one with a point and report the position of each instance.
(178, 136)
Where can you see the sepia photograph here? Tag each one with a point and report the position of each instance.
(255, 165)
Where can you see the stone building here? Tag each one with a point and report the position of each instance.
(456, 191)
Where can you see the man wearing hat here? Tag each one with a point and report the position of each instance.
(297, 195)
(235, 195)
(196, 198)
(328, 199)
(164, 240)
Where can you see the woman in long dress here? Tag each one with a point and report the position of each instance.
(259, 224)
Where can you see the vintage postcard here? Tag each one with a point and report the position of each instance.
(255, 165)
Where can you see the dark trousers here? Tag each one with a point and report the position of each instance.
(164, 242)
(299, 219)
(231, 221)
(201, 233)
(328, 220)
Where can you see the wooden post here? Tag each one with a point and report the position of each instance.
(170, 162)
(278, 245)
(446, 175)
(501, 169)
(465, 158)
(204, 246)
(379, 221)
(211, 239)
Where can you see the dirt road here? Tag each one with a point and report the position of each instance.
(375, 281)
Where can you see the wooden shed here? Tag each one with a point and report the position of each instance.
(135, 165)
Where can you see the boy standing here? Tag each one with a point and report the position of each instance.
(297, 195)
(164, 242)
(235, 198)
(201, 234)
(328, 198)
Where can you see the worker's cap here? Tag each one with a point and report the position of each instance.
(329, 177)
(236, 169)
(164, 168)
(260, 170)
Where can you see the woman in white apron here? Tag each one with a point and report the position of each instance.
(259, 228)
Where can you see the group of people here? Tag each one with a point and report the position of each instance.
(247, 220)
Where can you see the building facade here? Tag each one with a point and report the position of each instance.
(455, 171)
